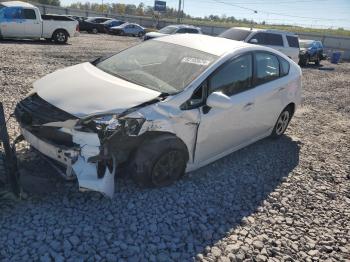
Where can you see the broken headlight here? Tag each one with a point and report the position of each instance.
(108, 123)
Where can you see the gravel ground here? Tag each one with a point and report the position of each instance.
(276, 200)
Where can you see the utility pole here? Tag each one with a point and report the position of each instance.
(179, 12)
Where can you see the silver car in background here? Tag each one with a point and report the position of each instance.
(173, 29)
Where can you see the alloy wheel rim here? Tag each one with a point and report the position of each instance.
(167, 168)
(282, 123)
(61, 37)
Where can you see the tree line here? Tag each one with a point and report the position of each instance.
(142, 10)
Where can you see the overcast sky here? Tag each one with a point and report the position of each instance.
(315, 13)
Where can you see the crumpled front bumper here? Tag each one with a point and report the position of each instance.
(76, 159)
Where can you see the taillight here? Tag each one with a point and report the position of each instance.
(77, 29)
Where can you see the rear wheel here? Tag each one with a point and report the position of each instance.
(282, 122)
(140, 34)
(159, 162)
(60, 37)
(94, 31)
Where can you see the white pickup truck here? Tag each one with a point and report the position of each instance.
(23, 20)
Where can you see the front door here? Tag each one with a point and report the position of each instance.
(223, 129)
(32, 24)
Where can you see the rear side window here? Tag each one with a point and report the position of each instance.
(293, 41)
(267, 68)
(13, 13)
(234, 77)
(284, 66)
(29, 14)
(274, 39)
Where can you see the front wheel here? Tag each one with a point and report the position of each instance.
(282, 123)
(159, 161)
(317, 62)
(140, 34)
(60, 37)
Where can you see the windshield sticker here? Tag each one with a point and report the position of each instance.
(196, 61)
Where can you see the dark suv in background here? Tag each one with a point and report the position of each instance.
(310, 51)
(93, 24)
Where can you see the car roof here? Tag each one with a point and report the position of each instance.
(265, 30)
(16, 4)
(213, 45)
(185, 26)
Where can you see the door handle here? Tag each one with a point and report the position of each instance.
(281, 89)
(248, 105)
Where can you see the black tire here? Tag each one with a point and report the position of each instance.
(140, 34)
(282, 122)
(3, 167)
(94, 30)
(317, 61)
(159, 162)
(122, 33)
(60, 36)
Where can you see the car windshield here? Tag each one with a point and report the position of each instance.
(305, 44)
(169, 70)
(168, 30)
(235, 34)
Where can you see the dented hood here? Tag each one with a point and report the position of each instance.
(84, 90)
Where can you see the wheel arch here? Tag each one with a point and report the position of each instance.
(125, 147)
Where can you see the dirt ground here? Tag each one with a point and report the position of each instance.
(279, 201)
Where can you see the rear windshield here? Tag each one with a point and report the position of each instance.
(235, 34)
(170, 70)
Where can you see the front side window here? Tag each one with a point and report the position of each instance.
(268, 39)
(234, 77)
(293, 41)
(267, 68)
(181, 31)
(168, 30)
(172, 69)
(192, 31)
(29, 14)
(235, 34)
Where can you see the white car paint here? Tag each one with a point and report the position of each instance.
(291, 52)
(98, 92)
(32, 28)
(232, 123)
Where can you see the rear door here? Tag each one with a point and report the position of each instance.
(12, 22)
(292, 47)
(32, 23)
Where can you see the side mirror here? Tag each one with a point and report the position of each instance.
(219, 100)
(253, 41)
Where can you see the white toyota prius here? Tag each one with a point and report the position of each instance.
(159, 109)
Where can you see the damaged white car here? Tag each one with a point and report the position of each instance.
(159, 109)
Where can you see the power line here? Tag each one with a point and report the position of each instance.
(274, 13)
